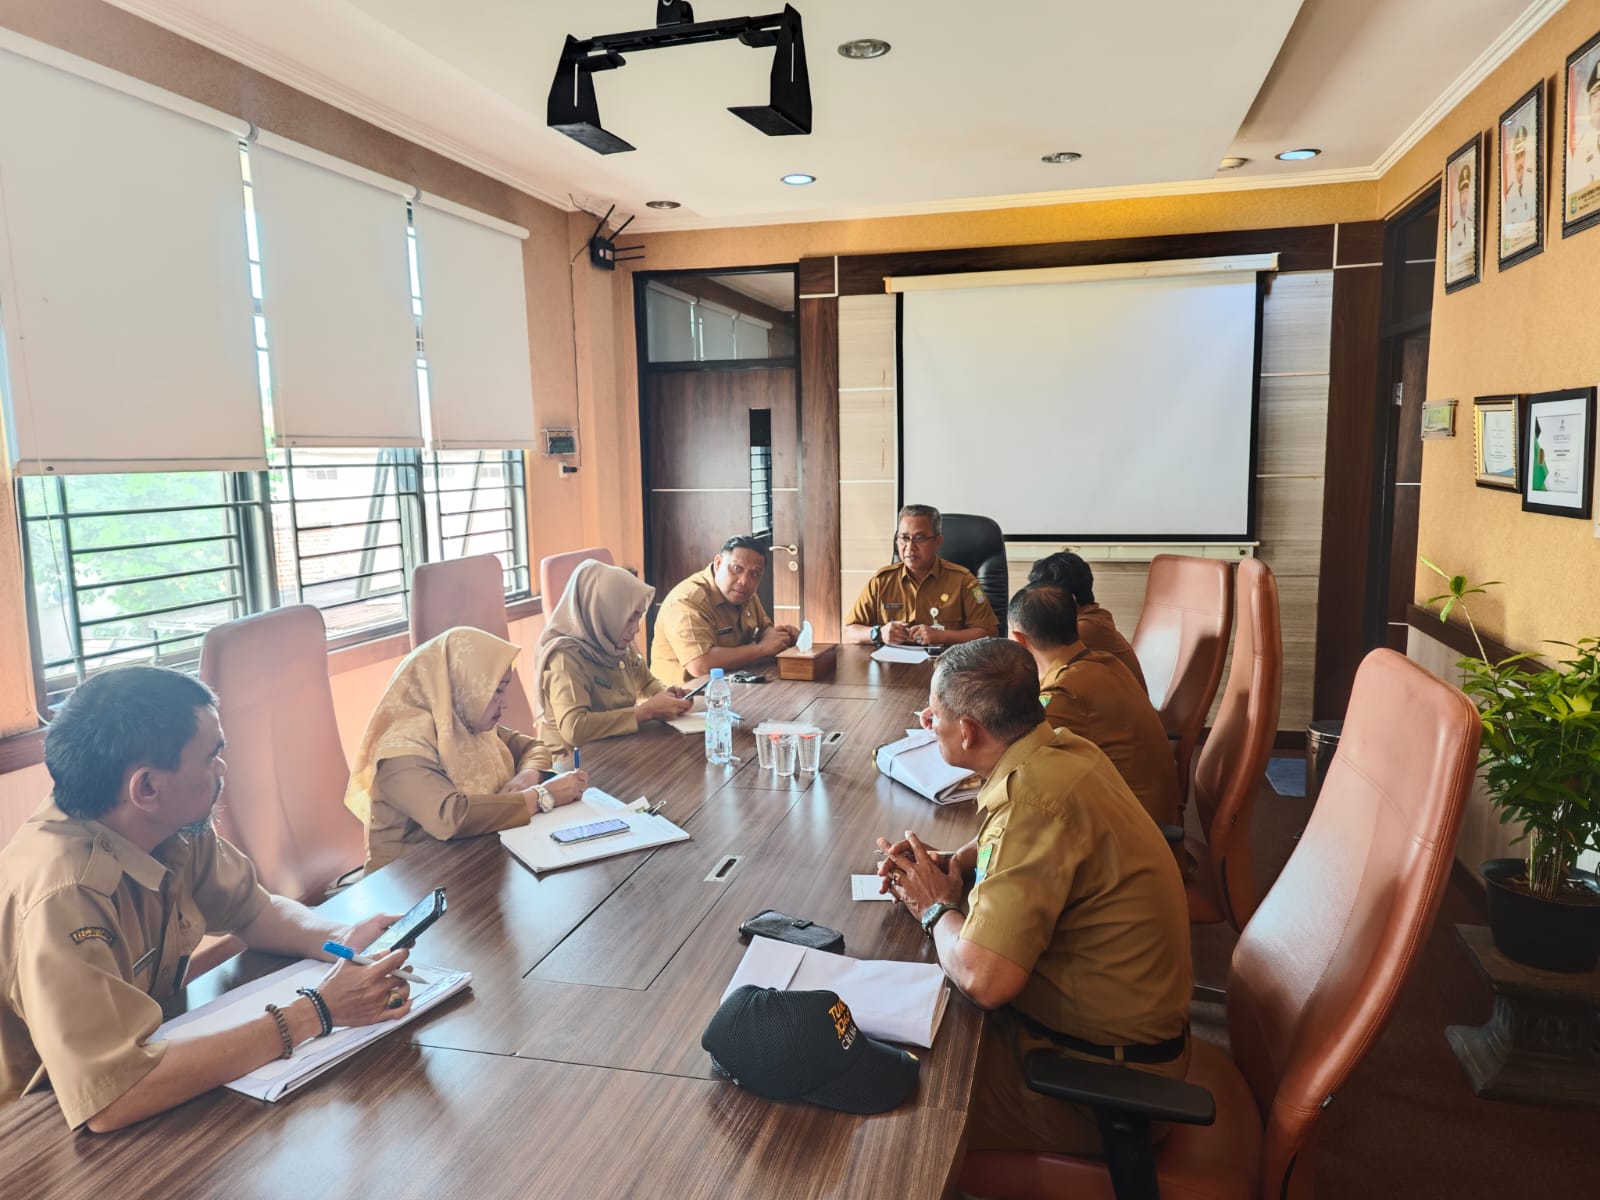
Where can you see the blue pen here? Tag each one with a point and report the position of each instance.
(344, 952)
(574, 758)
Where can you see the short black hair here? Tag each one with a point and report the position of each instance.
(993, 681)
(122, 718)
(743, 541)
(1066, 570)
(1046, 614)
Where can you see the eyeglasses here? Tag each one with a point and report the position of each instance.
(921, 539)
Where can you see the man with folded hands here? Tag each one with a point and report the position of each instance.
(1075, 934)
(106, 892)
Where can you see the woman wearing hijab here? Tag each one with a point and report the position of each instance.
(435, 762)
(591, 679)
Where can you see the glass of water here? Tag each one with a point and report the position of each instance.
(764, 747)
(809, 757)
(783, 754)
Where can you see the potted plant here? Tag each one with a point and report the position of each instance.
(1541, 766)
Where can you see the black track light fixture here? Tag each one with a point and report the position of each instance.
(574, 110)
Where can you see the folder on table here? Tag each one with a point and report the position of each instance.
(916, 762)
(532, 845)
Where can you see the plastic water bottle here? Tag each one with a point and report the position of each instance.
(719, 719)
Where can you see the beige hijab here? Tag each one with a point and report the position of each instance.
(589, 619)
(431, 708)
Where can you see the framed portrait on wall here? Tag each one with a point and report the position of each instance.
(1521, 178)
(1494, 439)
(1580, 159)
(1462, 205)
(1557, 432)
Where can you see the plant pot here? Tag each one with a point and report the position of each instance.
(1548, 934)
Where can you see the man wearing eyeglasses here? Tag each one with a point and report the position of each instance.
(922, 599)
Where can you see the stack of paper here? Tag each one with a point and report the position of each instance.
(429, 987)
(531, 843)
(900, 654)
(916, 762)
(895, 1001)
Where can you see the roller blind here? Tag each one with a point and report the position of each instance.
(124, 285)
(336, 295)
(474, 328)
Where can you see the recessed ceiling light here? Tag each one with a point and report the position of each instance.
(662, 204)
(1061, 156)
(799, 179)
(1232, 163)
(1298, 155)
(864, 48)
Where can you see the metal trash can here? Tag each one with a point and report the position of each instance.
(1322, 742)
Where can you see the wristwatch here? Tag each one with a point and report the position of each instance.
(542, 794)
(931, 918)
(877, 635)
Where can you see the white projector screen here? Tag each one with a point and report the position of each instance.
(1097, 410)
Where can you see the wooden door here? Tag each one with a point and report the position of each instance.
(710, 477)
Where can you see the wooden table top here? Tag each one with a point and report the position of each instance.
(573, 1067)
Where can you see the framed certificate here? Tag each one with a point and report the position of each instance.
(1494, 439)
(1557, 436)
(1580, 159)
(1521, 178)
(1463, 201)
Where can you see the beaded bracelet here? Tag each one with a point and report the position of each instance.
(321, 1005)
(283, 1031)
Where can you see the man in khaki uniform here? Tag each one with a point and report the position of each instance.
(922, 599)
(1095, 624)
(715, 619)
(1076, 934)
(1092, 694)
(108, 889)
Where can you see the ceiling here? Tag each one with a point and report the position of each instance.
(955, 118)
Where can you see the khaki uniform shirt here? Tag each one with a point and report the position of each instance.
(891, 595)
(587, 702)
(1098, 631)
(696, 617)
(1090, 693)
(1075, 884)
(94, 934)
(414, 801)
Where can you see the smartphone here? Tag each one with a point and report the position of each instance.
(586, 833)
(697, 688)
(404, 932)
(747, 677)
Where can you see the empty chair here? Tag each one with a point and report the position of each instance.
(467, 591)
(284, 802)
(1181, 641)
(556, 569)
(977, 544)
(1315, 975)
(1233, 762)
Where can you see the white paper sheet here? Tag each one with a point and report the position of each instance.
(865, 887)
(690, 723)
(900, 654)
(532, 845)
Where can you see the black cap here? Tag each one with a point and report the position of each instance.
(806, 1046)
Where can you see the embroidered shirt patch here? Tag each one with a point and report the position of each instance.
(80, 936)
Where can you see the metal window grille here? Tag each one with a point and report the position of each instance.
(475, 503)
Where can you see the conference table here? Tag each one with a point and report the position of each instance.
(573, 1066)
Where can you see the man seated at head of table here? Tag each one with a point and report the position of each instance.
(715, 619)
(435, 762)
(1076, 932)
(592, 681)
(108, 889)
(922, 599)
(1091, 693)
(1095, 626)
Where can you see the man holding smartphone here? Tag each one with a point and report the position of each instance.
(107, 891)
(715, 619)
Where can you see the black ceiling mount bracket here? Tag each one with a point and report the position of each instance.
(574, 110)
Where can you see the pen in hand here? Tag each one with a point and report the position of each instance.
(338, 950)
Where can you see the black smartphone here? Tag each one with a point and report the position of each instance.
(697, 688)
(747, 677)
(586, 833)
(404, 932)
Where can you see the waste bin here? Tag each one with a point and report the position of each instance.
(1322, 742)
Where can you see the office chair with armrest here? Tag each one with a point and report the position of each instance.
(977, 544)
(471, 592)
(284, 800)
(1181, 641)
(556, 569)
(1314, 979)
(1233, 762)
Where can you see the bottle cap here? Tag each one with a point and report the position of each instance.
(716, 672)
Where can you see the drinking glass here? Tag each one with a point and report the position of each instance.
(764, 744)
(810, 755)
(783, 754)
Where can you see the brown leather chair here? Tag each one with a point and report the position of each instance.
(556, 569)
(467, 591)
(1233, 762)
(1181, 641)
(1314, 978)
(284, 800)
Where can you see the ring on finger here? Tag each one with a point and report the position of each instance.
(396, 998)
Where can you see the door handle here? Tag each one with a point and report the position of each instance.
(792, 548)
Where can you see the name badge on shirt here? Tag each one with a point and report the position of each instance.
(892, 607)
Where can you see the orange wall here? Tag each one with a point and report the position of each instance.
(1530, 329)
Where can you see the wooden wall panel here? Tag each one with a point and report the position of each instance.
(1291, 433)
(1294, 324)
(867, 438)
(819, 464)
